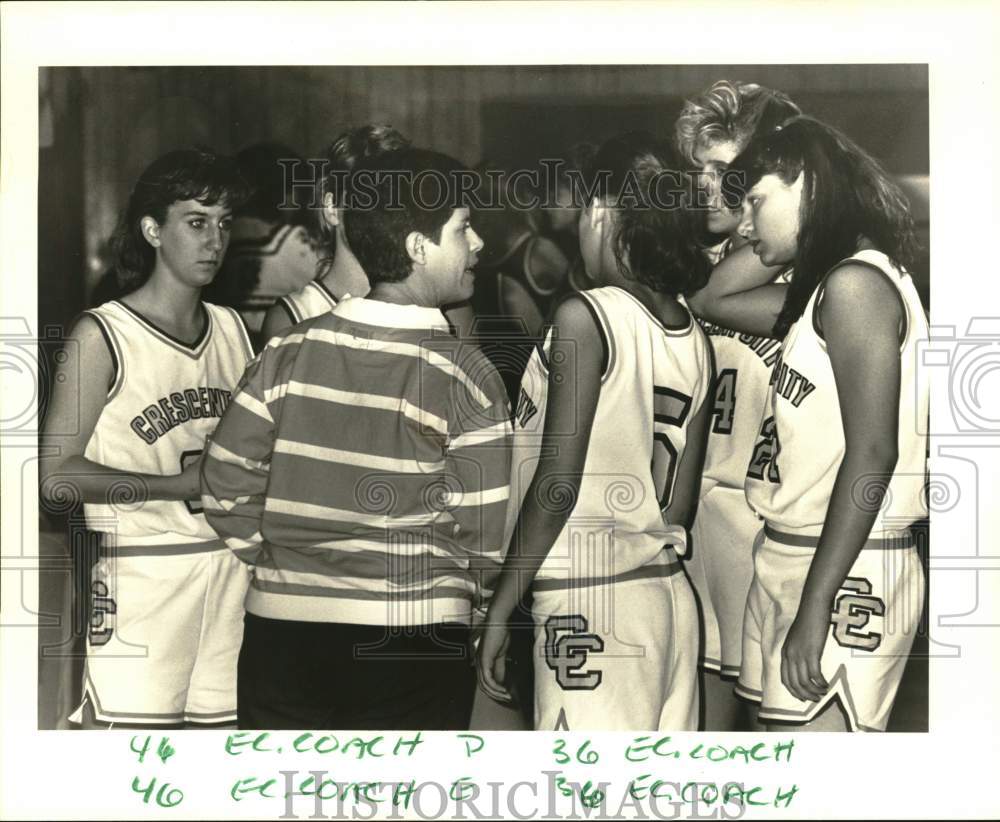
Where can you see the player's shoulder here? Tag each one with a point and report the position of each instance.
(860, 294)
(854, 283)
(584, 314)
(314, 297)
(107, 314)
(88, 327)
(231, 321)
(91, 340)
(108, 321)
(298, 296)
(222, 313)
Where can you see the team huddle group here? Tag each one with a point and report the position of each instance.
(702, 487)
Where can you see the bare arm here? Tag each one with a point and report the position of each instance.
(687, 484)
(741, 294)
(574, 388)
(861, 316)
(79, 392)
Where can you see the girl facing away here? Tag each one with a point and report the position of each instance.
(166, 615)
(339, 273)
(712, 129)
(838, 470)
(608, 447)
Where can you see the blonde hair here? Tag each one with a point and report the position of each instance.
(730, 112)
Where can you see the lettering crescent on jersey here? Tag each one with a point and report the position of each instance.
(561, 723)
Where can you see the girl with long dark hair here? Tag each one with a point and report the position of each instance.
(712, 129)
(837, 473)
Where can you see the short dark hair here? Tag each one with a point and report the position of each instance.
(356, 146)
(655, 242)
(186, 174)
(348, 149)
(393, 195)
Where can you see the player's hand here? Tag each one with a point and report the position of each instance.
(491, 661)
(801, 653)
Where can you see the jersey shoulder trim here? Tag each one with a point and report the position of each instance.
(681, 330)
(117, 363)
(242, 329)
(289, 308)
(325, 292)
(603, 329)
(904, 327)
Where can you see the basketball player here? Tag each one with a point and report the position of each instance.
(609, 441)
(340, 272)
(711, 130)
(838, 468)
(363, 470)
(167, 596)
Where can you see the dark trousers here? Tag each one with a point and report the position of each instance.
(333, 676)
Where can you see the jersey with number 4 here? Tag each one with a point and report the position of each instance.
(655, 379)
(743, 364)
(801, 443)
(166, 398)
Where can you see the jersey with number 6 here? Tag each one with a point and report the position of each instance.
(655, 379)
(166, 398)
(801, 444)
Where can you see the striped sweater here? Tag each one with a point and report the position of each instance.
(362, 468)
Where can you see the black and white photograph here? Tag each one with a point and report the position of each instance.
(373, 410)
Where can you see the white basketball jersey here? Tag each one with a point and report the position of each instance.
(801, 439)
(743, 365)
(716, 253)
(311, 301)
(655, 379)
(167, 397)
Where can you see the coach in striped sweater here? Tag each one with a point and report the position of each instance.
(362, 469)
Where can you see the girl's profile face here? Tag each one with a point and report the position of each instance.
(712, 160)
(770, 219)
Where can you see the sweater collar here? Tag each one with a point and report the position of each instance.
(390, 315)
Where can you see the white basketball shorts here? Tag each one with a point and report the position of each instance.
(720, 564)
(617, 656)
(166, 624)
(873, 623)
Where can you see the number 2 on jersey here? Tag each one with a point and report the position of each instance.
(725, 402)
(764, 462)
(670, 408)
